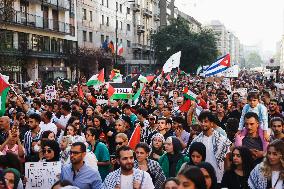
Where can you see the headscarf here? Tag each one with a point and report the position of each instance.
(174, 158)
(197, 147)
(55, 147)
(17, 176)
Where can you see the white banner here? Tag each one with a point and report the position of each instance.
(50, 92)
(42, 174)
(231, 72)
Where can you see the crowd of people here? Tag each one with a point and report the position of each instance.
(223, 139)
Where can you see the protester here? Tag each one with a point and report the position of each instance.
(196, 154)
(191, 178)
(152, 167)
(277, 127)
(209, 175)
(242, 164)
(156, 145)
(50, 151)
(171, 183)
(127, 176)
(173, 159)
(269, 173)
(78, 173)
(12, 177)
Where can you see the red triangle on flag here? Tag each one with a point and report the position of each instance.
(3, 84)
(112, 74)
(226, 61)
(135, 137)
(101, 76)
(185, 90)
(110, 91)
(185, 107)
(150, 78)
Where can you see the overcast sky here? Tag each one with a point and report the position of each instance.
(255, 22)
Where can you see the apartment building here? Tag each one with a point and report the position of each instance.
(39, 34)
(193, 24)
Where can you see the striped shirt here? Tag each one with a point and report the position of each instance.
(28, 139)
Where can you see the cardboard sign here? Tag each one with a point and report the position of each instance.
(242, 91)
(227, 83)
(42, 174)
(50, 93)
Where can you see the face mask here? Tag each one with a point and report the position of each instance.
(36, 148)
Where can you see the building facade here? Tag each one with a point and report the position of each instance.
(37, 38)
(193, 24)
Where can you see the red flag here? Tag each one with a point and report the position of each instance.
(202, 103)
(112, 74)
(135, 137)
(185, 107)
(80, 91)
(101, 76)
(150, 78)
(110, 91)
(3, 84)
(168, 77)
(185, 90)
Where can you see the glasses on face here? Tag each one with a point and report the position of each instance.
(152, 119)
(75, 152)
(47, 151)
(118, 143)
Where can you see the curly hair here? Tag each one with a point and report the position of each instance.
(266, 167)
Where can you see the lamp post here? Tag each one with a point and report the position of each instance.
(116, 26)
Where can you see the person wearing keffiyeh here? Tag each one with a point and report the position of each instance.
(127, 177)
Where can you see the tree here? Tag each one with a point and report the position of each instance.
(196, 48)
(253, 60)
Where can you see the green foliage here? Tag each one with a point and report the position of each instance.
(253, 60)
(196, 48)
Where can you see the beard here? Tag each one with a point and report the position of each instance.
(127, 166)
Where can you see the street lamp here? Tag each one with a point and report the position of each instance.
(116, 25)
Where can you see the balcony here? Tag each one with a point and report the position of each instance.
(38, 22)
(146, 12)
(135, 7)
(137, 46)
(156, 17)
(57, 4)
(140, 28)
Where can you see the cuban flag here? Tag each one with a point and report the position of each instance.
(220, 65)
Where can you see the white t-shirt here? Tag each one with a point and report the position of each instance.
(127, 181)
(275, 176)
(64, 119)
(48, 127)
(210, 157)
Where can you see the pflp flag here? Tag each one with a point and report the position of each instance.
(4, 88)
(172, 62)
(219, 66)
(135, 137)
(97, 79)
(121, 91)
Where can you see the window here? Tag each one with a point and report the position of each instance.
(120, 40)
(128, 10)
(102, 39)
(91, 16)
(116, 25)
(103, 20)
(107, 3)
(120, 7)
(35, 42)
(128, 43)
(84, 14)
(7, 39)
(22, 41)
(120, 25)
(102, 2)
(107, 21)
(107, 38)
(84, 36)
(116, 6)
(128, 27)
(91, 36)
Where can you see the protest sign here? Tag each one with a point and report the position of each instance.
(122, 91)
(50, 93)
(42, 174)
(242, 91)
(231, 72)
(227, 83)
(101, 100)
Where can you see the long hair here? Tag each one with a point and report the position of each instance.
(266, 167)
(211, 171)
(247, 161)
(194, 174)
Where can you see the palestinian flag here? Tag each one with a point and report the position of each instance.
(168, 77)
(135, 137)
(110, 91)
(186, 106)
(97, 79)
(4, 88)
(120, 49)
(189, 94)
(150, 78)
(121, 91)
(138, 94)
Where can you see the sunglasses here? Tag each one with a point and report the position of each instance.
(47, 151)
(118, 143)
